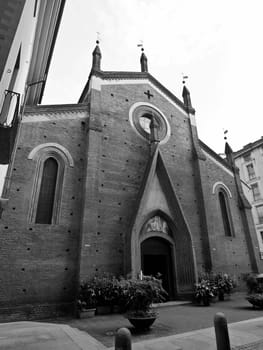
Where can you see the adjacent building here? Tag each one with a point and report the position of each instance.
(28, 30)
(249, 161)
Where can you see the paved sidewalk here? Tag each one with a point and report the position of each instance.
(45, 336)
(173, 320)
(179, 326)
(243, 335)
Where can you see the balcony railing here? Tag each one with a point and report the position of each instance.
(11, 101)
(8, 124)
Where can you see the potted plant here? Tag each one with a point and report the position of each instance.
(140, 294)
(204, 291)
(118, 299)
(105, 293)
(224, 285)
(254, 284)
(86, 303)
(256, 300)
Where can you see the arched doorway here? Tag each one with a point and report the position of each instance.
(157, 259)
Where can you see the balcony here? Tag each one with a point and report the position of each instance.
(8, 124)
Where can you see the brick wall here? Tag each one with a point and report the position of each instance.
(120, 168)
(40, 262)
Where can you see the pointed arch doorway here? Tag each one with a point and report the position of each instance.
(158, 253)
(156, 260)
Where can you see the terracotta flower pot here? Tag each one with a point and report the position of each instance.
(87, 313)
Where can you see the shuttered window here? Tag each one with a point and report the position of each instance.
(47, 192)
(224, 212)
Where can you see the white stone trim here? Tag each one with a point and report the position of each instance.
(221, 184)
(137, 104)
(95, 83)
(218, 163)
(53, 116)
(52, 145)
(193, 120)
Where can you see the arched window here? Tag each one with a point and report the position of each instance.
(52, 162)
(47, 192)
(225, 212)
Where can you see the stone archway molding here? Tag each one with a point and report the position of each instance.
(49, 147)
(157, 197)
(222, 185)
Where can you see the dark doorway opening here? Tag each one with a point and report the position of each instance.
(156, 256)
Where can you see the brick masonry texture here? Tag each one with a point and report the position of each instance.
(41, 264)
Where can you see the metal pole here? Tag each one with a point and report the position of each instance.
(123, 339)
(221, 331)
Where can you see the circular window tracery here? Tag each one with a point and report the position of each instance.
(142, 116)
(145, 122)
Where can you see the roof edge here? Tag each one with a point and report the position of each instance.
(215, 155)
(122, 75)
(57, 107)
(248, 147)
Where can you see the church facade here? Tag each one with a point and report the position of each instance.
(118, 183)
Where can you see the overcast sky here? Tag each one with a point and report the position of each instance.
(218, 44)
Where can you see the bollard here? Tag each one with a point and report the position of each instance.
(221, 330)
(123, 339)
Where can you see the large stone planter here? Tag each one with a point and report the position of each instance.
(141, 322)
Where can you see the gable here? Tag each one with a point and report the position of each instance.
(99, 79)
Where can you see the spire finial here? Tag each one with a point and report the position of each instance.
(187, 97)
(98, 38)
(184, 78)
(228, 149)
(96, 55)
(225, 134)
(143, 59)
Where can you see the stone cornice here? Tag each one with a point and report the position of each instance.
(249, 147)
(56, 108)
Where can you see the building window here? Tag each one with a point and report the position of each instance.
(261, 236)
(255, 192)
(251, 171)
(247, 157)
(260, 214)
(225, 213)
(47, 192)
(52, 161)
